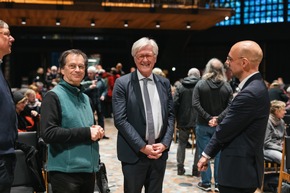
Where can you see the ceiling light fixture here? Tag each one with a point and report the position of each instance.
(157, 24)
(57, 21)
(188, 26)
(93, 22)
(23, 21)
(126, 23)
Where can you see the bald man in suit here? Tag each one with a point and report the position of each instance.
(240, 136)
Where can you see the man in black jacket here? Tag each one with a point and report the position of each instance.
(8, 118)
(211, 97)
(185, 116)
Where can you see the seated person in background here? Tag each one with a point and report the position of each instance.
(32, 109)
(37, 93)
(288, 102)
(277, 93)
(25, 122)
(33, 104)
(275, 132)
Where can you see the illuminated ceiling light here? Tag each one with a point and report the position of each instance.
(23, 21)
(93, 22)
(57, 21)
(188, 26)
(126, 23)
(157, 24)
(227, 18)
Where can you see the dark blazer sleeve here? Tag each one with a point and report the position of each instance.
(240, 137)
(50, 124)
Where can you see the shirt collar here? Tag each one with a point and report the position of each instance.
(140, 76)
(245, 80)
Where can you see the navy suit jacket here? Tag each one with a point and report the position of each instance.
(130, 118)
(240, 137)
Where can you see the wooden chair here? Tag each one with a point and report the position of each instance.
(270, 169)
(284, 176)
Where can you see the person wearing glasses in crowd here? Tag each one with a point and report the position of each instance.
(68, 127)
(145, 123)
(8, 117)
(240, 135)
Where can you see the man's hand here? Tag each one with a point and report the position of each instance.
(97, 132)
(153, 151)
(102, 98)
(202, 164)
(34, 113)
(213, 122)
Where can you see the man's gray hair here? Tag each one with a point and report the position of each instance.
(194, 72)
(143, 42)
(215, 70)
(3, 24)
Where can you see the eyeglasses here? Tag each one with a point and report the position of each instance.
(5, 33)
(230, 59)
(143, 56)
(74, 67)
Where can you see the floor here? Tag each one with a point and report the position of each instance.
(173, 183)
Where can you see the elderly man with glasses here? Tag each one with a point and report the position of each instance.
(8, 118)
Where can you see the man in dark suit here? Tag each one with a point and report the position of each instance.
(240, 136)
(143, 160)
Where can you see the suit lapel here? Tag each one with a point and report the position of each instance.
(161, 92)
(138, 93)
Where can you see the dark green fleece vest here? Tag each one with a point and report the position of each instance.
(76, 113)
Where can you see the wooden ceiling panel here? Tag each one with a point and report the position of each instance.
(79, 16)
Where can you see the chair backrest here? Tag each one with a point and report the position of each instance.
(287, 123)
(285, 163)
(29, 138)
(22, 176)
(21, 173)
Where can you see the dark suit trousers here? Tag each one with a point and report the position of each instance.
(146, 172)
(72, 182)
(226, 189)
(7, 166)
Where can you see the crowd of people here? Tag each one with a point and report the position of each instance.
(236, 118)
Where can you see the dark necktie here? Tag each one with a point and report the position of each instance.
(150, 122)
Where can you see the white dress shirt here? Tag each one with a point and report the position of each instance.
(155, 103)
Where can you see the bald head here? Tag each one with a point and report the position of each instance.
(194, 72)
(244, 58)
(250, 50)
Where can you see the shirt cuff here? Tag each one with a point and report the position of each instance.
(205, 155)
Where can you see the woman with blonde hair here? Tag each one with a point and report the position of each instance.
(275, 132)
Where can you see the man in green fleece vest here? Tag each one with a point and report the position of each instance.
(68, 127)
